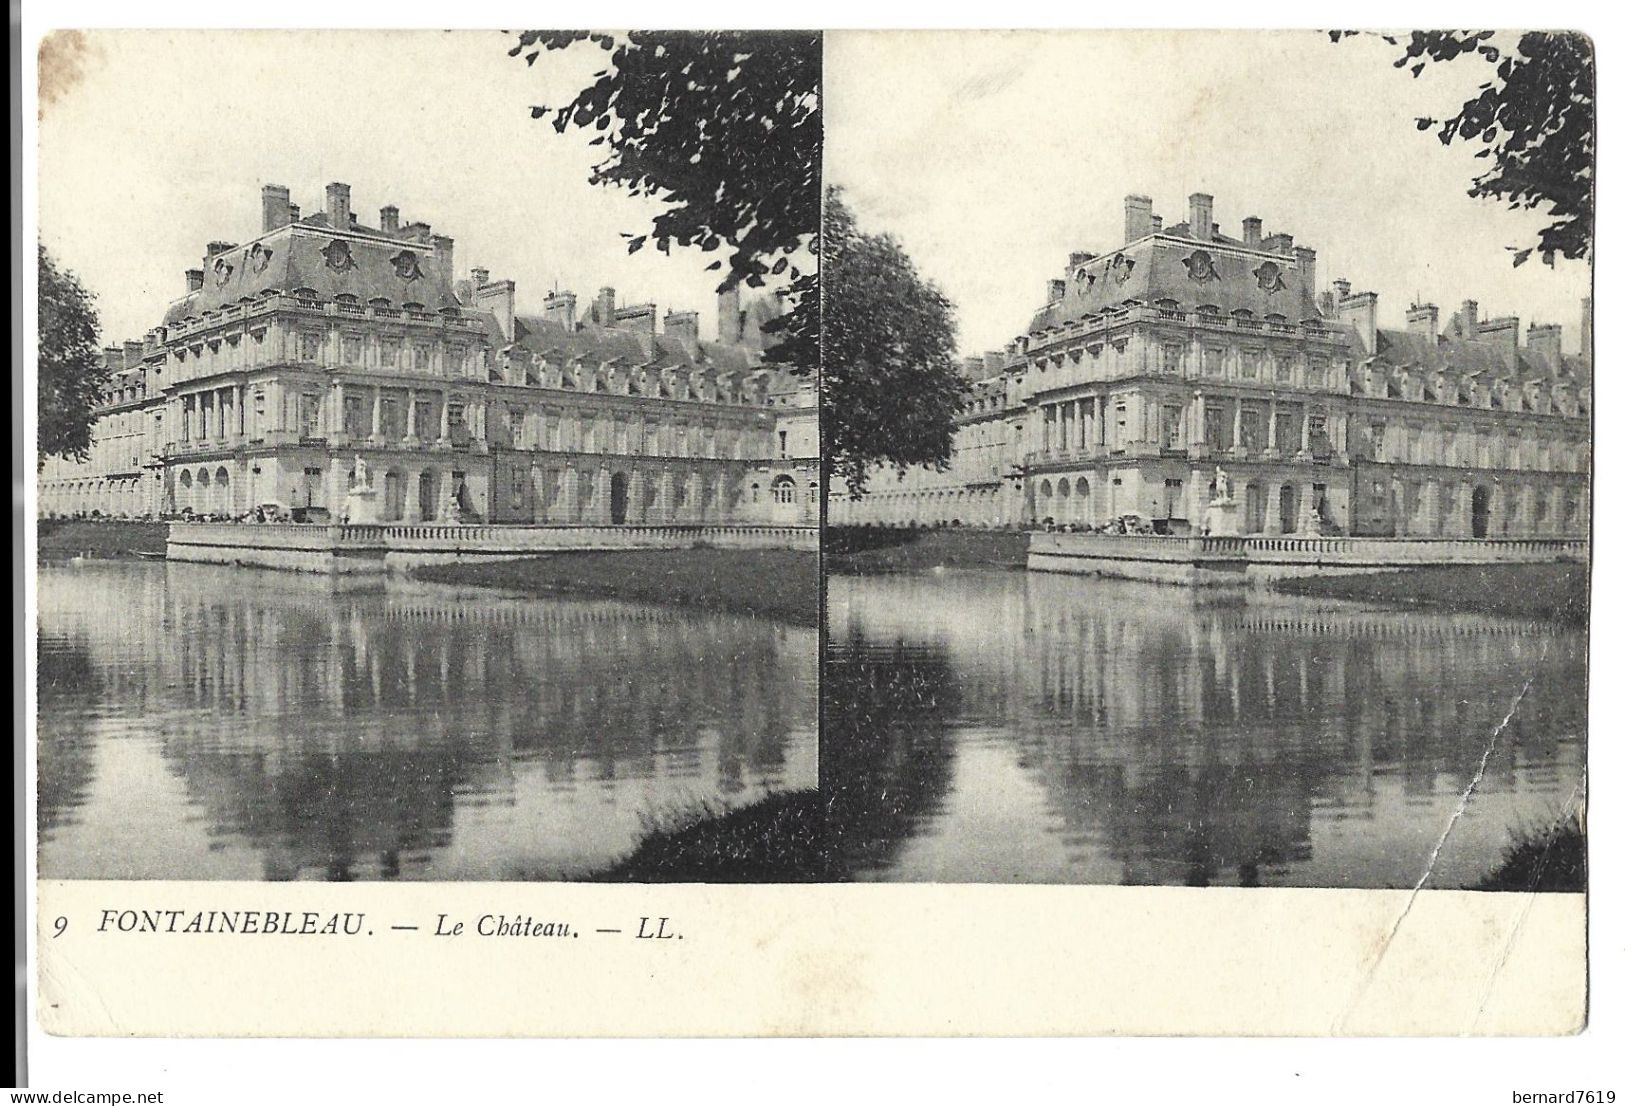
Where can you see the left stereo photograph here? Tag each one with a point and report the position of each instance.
(428, 456)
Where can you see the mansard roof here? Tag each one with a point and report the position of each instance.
(1170, 266)
(1466, 356)
(553, 340)
(307, 255)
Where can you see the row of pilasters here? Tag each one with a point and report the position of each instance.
(587, 495)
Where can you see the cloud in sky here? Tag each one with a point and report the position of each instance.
(991, 156)
(164, 139)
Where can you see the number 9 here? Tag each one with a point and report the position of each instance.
(60, 924)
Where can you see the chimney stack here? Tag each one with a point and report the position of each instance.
(1278, 243)
(194, 280)
(1252, 231)
(1306, 268)
(445, 253)
(481, 277)
(389, 219)
(1079, 257)
(1467, 320)
(273, 207)
(338, 205)
(132, 354)
(216, 248)
(1423, 318)
(730, 329)
(639, 317)
(1547, 340)
(497, 298)
(293, 213)
(1341, 287)
(1201, 216)
(1360, 310)
(1156, 224)
(1136, 217)
(684, 326)
(1057, 289)
(1504, 333)
(560, 307)
(603, 308)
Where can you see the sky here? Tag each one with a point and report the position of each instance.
(163, 142)
(992, 156)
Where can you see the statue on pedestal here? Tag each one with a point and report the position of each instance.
(361, 501)
(1220, 517)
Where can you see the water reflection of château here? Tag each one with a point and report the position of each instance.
(340, 731)
(1194, 740)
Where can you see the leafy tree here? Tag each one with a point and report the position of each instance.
(1536, 119)
(723, 126)
(71, 373)
(890, 386)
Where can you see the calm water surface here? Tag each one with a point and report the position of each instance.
(1017, 727)
(219, 723)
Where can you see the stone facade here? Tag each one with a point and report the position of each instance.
(1186, 351)
(322, 342)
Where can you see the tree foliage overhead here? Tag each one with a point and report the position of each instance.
(1535, 118)
(888, 379)
(71, 373)
(721, 126)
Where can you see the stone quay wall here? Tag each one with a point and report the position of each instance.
(1257, 560)
(399, 547)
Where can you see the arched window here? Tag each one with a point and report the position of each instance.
(784, 490)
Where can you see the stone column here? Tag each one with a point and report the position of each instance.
(377, 434)
(445, 419)
(242, 411)
(1303, 432)
(1272, 501)
(566, 505)
(411, 414)
(1199, 431)
(1235, 428)
(600, 495)
(634, 495)
(664, 505)
(1308, 511)
(1270, 444)
(412, 496)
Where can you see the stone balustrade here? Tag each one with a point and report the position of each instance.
(393, 547)
(1259, 558)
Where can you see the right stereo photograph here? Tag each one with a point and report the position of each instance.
(1208, 433)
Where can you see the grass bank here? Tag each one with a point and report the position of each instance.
(64, 539)
(779, 839)
(1551, 857)
(769, 583)
(863, 550)
(1549, 591)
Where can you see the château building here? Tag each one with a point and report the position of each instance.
(1185, 351)
(323, 340)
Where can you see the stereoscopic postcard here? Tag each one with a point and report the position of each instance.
(755, 533)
